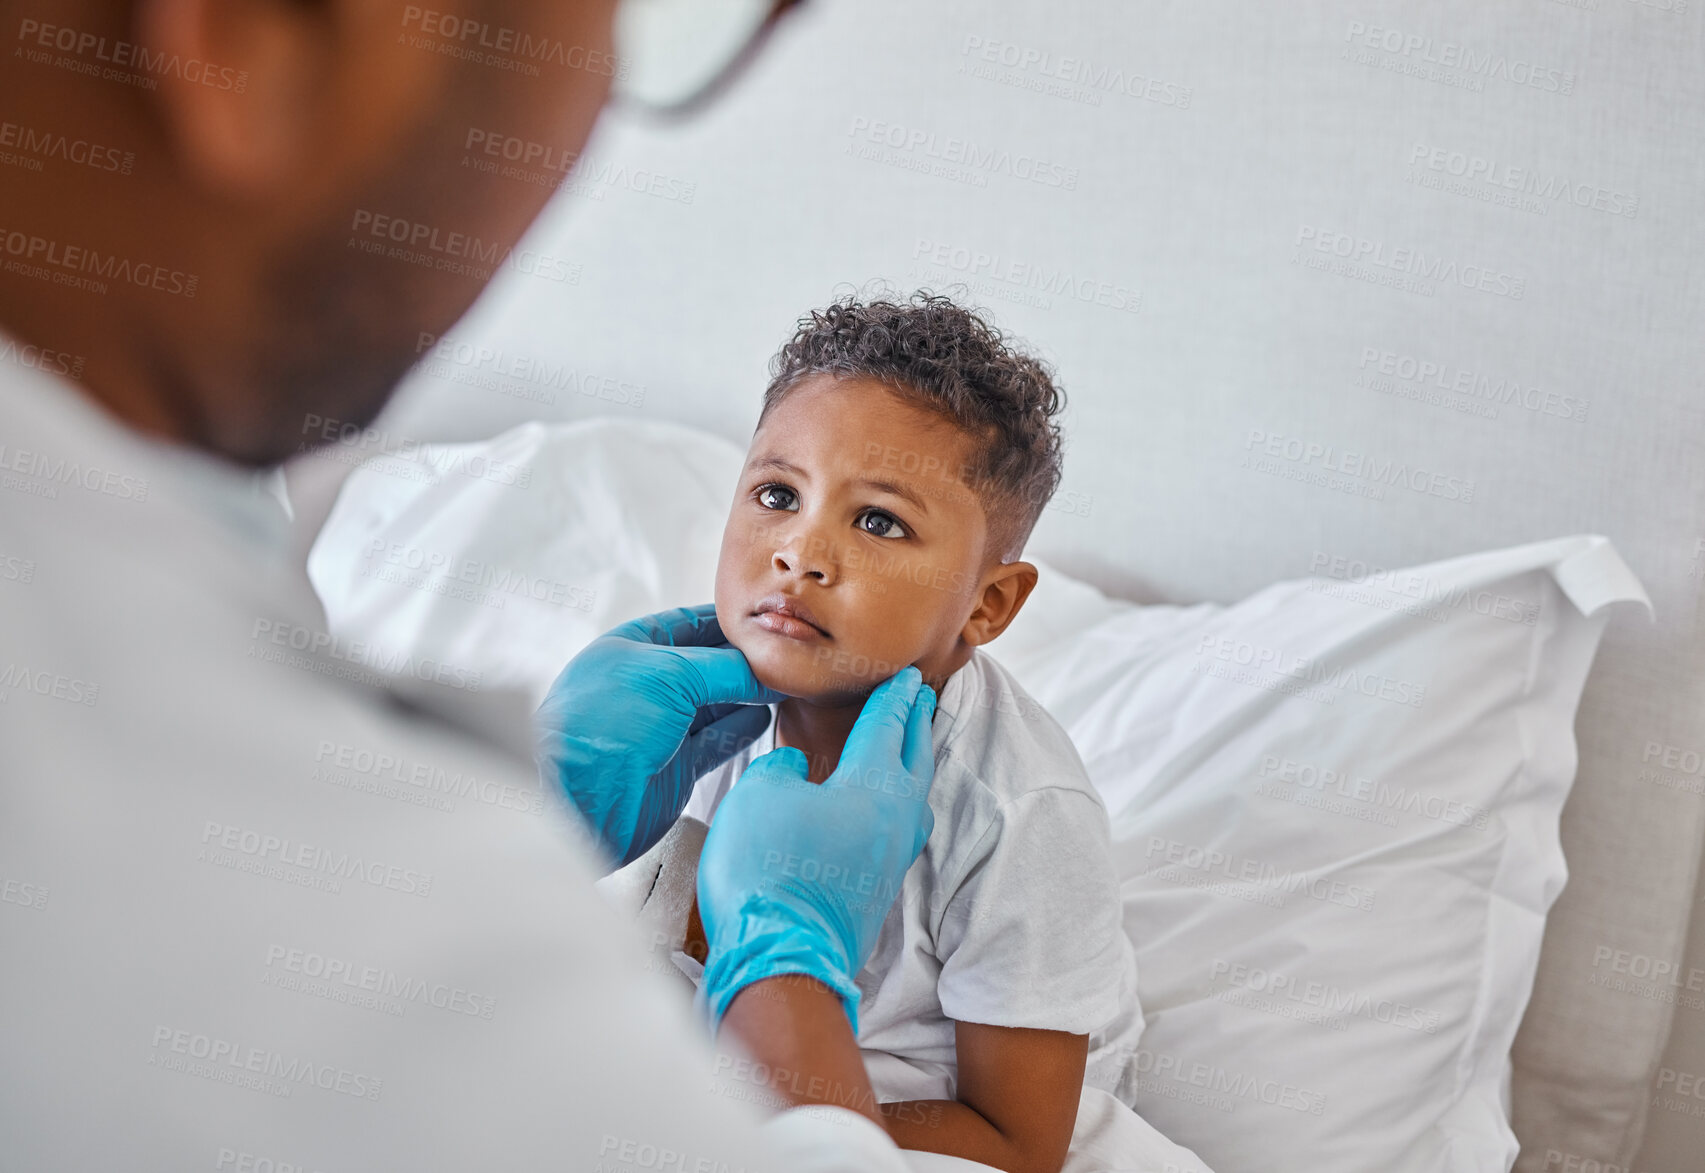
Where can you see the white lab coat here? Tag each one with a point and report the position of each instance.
(254, 912)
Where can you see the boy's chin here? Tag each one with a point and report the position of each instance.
(801, 674)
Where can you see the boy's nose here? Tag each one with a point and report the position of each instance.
(807, 555)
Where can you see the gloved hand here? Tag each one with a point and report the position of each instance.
(639, 715)
(796, 877)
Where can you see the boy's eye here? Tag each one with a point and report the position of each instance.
(777, 497)
(881, 525)
(875, 522)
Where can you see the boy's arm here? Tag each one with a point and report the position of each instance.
(1017, 1105)
(801, 1040)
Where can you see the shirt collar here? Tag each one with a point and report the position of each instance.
(43, 408)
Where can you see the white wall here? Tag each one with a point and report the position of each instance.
(1251, 132)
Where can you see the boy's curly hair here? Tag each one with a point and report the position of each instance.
(948, 360)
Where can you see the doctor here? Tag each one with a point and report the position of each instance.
(275, 901)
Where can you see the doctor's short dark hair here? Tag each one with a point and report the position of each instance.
(946, 359)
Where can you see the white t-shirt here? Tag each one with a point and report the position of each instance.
(1011, 914)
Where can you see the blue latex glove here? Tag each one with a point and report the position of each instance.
(798, 878)
(645, 709)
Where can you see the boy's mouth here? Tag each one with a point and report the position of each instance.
(785, 615)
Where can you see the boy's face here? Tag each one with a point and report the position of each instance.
(851, 511)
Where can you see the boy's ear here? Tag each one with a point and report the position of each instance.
(1004, 593)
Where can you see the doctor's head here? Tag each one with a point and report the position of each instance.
(279, 196)
(903, 454)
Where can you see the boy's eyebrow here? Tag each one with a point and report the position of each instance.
(894, 487)
(899, 490)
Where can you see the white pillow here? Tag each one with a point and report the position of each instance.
(1336, 808)
(1331, 979)
(506, 557)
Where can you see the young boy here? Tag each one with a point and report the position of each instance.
(902, 456)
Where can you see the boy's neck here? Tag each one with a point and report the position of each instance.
(821, 731)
